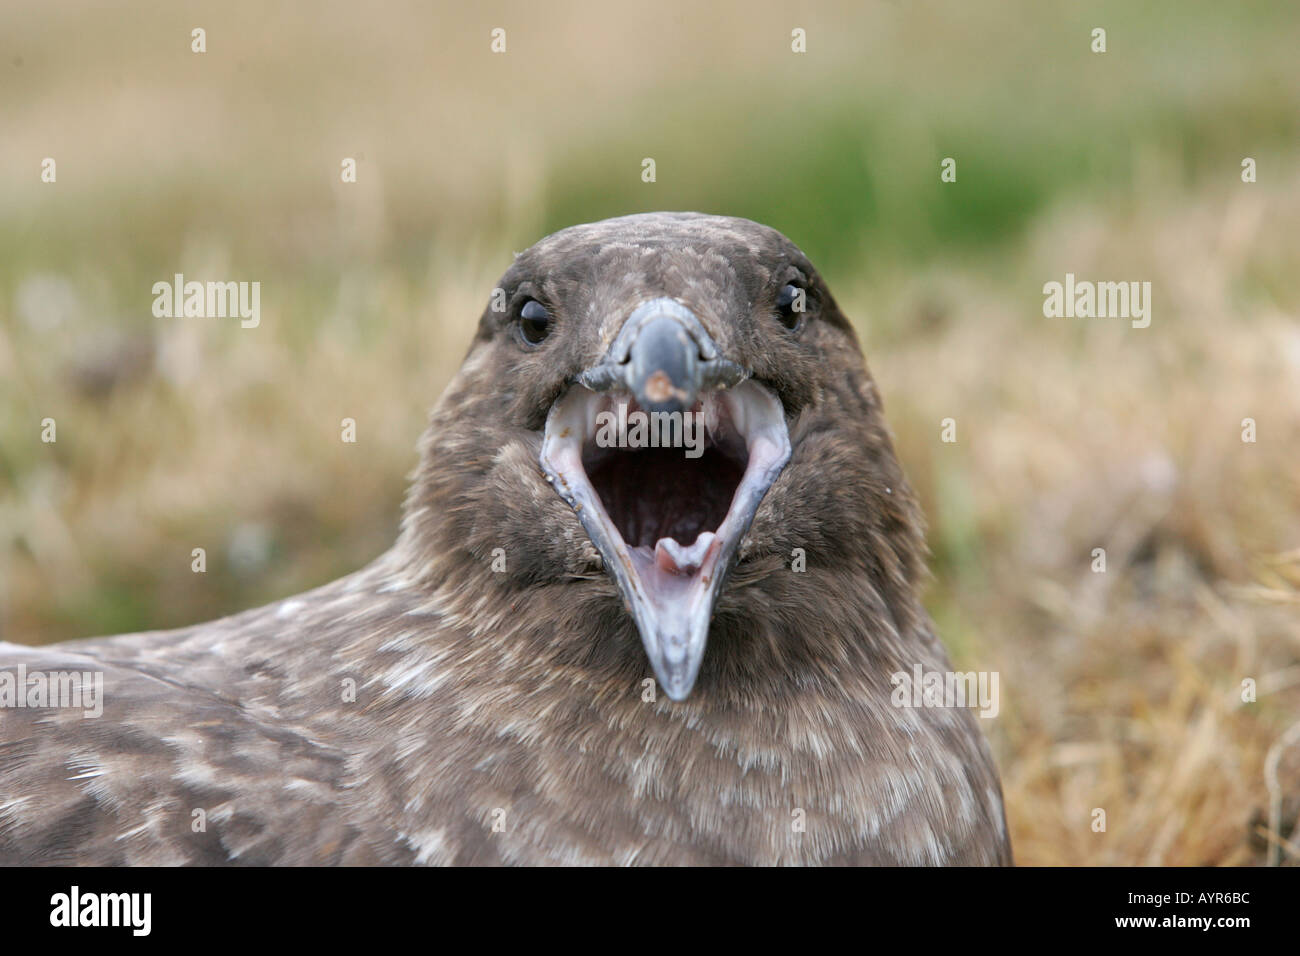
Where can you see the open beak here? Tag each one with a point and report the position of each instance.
(665, 449)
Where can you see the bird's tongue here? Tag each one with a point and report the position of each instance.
(675, 577)
(673, 558)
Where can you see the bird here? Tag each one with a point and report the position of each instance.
(577, 651)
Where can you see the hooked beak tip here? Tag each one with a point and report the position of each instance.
(664, 370)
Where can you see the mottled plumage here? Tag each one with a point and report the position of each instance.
(499, 715)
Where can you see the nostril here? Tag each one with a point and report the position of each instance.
(663, 336)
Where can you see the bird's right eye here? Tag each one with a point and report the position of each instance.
(534, 322)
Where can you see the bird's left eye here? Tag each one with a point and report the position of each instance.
(534, 322)
(791, 303)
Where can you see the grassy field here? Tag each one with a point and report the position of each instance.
(1121, 691)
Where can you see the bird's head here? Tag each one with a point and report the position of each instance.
(668, 415)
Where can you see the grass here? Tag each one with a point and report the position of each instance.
(1121, 691)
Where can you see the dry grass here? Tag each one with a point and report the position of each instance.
(1121, 690)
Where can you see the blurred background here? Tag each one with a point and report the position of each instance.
(1120, 690)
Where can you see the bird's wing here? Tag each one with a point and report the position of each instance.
(167, 774)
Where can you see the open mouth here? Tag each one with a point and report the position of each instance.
(666, 498)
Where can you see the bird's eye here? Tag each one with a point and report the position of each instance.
(534, 322)
(791, 303)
